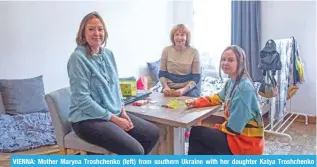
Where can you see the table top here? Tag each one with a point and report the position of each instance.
(181, 117)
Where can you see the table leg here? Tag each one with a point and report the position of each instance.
(165, 145)
(179, 141)
(172, 140)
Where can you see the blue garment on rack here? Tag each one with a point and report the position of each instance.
(296, 77)
(288, 49)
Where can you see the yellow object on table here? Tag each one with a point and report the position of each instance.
(176, 103)
(128, 87)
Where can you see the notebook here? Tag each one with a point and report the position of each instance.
(140, 95)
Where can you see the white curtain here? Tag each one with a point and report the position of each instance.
(211, 32)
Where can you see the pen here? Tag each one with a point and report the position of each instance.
(166, 106)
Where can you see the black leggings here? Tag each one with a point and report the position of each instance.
(204, 140)
(140, 140)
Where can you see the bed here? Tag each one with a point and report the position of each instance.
(25, 122)
(25, 131)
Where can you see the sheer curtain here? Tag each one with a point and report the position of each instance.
(211, 32)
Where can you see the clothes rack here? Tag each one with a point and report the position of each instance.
(281, 118)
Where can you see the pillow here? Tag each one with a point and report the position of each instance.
(157, 88)
(2, 111)
(154, 68)
(22, 96)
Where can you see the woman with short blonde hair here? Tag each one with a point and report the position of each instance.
(180, 65)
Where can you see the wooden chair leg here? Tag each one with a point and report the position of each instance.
(83, 152)
(72, 151)
(63, 151)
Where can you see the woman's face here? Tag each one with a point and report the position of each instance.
(180, 38)
(229, 63)
(94, 33)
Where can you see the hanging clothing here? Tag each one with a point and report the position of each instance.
(290, 75)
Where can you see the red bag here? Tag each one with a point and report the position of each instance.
(141, 84)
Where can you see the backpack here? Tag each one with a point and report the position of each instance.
(270, 58)
(270, 62)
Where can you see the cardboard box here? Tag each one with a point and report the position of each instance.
(128, 86)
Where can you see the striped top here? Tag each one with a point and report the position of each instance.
(243, 120)
(180, 66)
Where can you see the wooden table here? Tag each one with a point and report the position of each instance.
(171, 121)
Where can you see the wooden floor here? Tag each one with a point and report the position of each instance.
(304, 138)
(5, 157)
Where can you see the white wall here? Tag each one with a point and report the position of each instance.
(283, 19)
(37, 38)
(183, 13)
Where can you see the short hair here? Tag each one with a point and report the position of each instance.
(80, 39)
(180, 27)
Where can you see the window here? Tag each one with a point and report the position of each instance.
(211, 32)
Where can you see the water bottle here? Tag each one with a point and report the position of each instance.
(187, 134)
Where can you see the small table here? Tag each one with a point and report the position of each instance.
(171, 121)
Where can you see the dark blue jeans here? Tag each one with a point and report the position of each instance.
(140, 140)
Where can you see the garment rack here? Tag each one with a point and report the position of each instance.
(275, 127)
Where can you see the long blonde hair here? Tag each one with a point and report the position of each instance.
(241, 65)
(80, 39)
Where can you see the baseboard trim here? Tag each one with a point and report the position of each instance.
(300, 118)
(311, 119)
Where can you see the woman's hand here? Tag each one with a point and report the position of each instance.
(166, 91)
(174, 93)
(181, 91)
(176, 85)
(124, 124)
(190, 103)
(121, 122)
(178, 92)
(124, 115)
